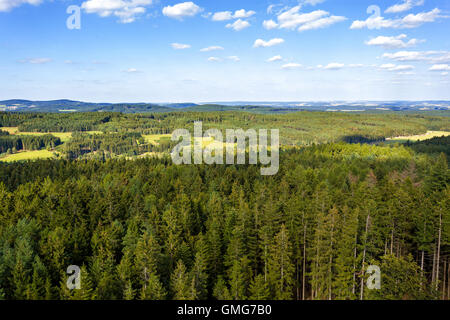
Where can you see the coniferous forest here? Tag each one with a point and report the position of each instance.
(144, 228)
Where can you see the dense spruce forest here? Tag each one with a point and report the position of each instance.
(145, 228)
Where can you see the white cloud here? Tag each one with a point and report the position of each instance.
(7, 5)
(234, 58)
(313, 2)
(261, 43)
(291, 65)
(321, 23)
(440, 67)
(275, 58)
(393, 67)
(238, 25)
(228, 15)
(211, 48)
(444, 73)
(181, 10)
(243, 14)
(214, 59)
(356, 65)
(270, 24)
(125, 10)
(293, 19)
(180, 46)
(393, 42)
(409, 21)
(131, 70)
(222, 16)
(36, 60)
(436, 57)
(334, 66)
(407, 56)
(404, 6)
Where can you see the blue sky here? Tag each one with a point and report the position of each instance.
(225, 50)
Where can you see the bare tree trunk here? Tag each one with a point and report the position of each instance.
(421, 267)
(433, 273)
(331, 260)
(297, 267)
(364, 258)
(438, 250)
(444, 280)
(392, 240)
(304, 263)
(448, 282)
(354, 265)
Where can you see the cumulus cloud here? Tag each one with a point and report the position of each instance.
(275, 58)
(228, 15)
(291, 65)
(270, 24)
(409, 21)
(182, 10)
(293, 19)
(125, 10)
(321, 23)
(36, 60)
(211, 48)
(393, 42)
(214, 59)
(405, 5)
(180, 46)
(234, 58)
(393, 67)
(222, 16)
(131, 70)
(243, 14)
(429, 56)
(238, 25)
(334, 66)
(440, 67)
(8, 5)
(273, 42)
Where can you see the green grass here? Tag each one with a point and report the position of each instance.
(29, 155)
(155, 138)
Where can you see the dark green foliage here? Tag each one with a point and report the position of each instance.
(147, 229)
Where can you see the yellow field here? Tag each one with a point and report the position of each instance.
(29, 155)
(64, 136)
(421, 137)
(11, 130)
(93, 132)
(154, 138)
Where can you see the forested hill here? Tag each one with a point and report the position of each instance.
(258, 107)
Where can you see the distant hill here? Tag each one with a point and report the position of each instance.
(64, 106)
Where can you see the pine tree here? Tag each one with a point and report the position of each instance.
(280, 266)
(181, 284)
(259, 289)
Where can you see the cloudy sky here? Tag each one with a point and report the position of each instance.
(225, 50)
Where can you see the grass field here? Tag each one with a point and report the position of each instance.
(29, 155)
(420, 137)
(155, 138)
(64, 136)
